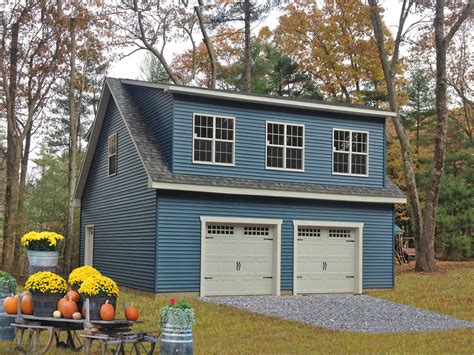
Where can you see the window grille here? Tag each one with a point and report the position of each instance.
(309, 232)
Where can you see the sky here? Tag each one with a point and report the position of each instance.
(129, 67)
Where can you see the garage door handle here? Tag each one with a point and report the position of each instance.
(350, 241)
(268, 277)
(267, 238)
(238, 265)
(299, 277)
(208, 278)
(349, 277)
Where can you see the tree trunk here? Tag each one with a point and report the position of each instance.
(11, 200)
(412, 190)
(73, 138)
(208, 43)
(12, 157)
(247, 49)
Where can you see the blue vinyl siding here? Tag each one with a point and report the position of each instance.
(250, 142)
(157, 109)
(179, 233)
(122, 210)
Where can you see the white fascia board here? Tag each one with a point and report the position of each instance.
(264, 99)
(274, 193)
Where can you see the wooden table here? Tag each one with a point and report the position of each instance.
(108, 334)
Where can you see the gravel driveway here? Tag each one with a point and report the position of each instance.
(345, 312)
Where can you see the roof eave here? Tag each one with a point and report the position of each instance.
(275, 193)
(268, 100)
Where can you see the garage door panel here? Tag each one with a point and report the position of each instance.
(240, 262)
(326, 262)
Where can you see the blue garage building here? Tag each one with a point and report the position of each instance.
(188, 189)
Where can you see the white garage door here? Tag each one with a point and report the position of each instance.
(325, 259)
(238, 259)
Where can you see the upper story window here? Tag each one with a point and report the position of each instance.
(112, 154)
(350, 152)
(285, 146)
(213, 139)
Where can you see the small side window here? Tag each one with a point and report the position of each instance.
(112, 156)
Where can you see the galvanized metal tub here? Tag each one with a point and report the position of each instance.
(42, 261)
(7, 332)
(175, 340)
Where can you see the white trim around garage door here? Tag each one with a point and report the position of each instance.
(359, 236)
(236, 220)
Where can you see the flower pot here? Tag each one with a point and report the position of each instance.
(44, 304)
(42, 261)
(174, 340)
(95, 302)
(7, 332)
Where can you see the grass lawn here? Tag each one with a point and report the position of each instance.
(222, 329)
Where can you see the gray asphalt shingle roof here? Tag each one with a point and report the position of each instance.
(159, 171)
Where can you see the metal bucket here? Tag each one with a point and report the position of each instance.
(42, 261)
(176, 340)
(7, 332)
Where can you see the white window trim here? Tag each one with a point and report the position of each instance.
(358, 257)
(284, 147)
(333, 150)
(213, 139)
(110, 155)
(89, 245)
(236, 220)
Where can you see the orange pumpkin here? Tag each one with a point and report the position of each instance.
(27, 304)
(10, 304)
(61, 303)
(73, 295)
(107, 311)
(131, 313)
(69, 307)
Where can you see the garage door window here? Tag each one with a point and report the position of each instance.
(256, 231)
(309, 232)
(339, 233)
(220, 230)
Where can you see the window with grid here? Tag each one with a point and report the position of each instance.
(112, 154)
(350, 152)
(309, 232)
(339, 233)
(285, 146)
(256, 231)
(213, 139)
(220, 230)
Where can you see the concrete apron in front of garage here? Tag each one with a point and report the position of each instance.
(356, 313)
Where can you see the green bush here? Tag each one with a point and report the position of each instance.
(7, 282)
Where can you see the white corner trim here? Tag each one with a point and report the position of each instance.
(244, 220)
(274, 193)
(235, 96)
(358, 258)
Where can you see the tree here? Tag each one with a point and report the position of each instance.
(150, 28)
(152, 70)
(247, 12)
(31, 58)
(331, 41)
(421, 101)
(423, 221)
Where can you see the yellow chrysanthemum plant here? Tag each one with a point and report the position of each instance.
(46, 282)
(42, 241)
(99, 286)
(80, 274)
